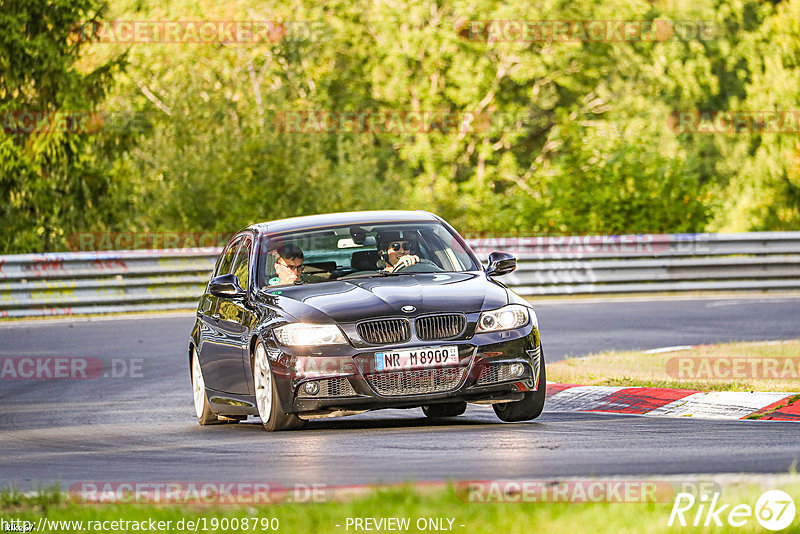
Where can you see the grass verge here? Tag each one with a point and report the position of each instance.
(425, 511)
(758, 366)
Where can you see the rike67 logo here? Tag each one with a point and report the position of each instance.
(774, 510)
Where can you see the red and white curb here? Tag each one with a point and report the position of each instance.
(672, 402)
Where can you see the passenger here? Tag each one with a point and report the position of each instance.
(395, 251)
(288, 266)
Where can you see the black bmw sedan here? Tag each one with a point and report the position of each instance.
(337, 314)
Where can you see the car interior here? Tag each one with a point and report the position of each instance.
(337, 254)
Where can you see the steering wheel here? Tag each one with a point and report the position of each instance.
(430, 266)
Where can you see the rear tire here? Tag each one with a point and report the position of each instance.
(202, 408)
(267, 402)
(531, 405)
(447, 409)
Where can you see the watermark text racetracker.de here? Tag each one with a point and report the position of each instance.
(227, 32)
(380, 122)
(65, 121)
(69, 368)
(596, 245)
(733, 367)
(577, 31)
(198, 492)
(735, 122)
(578, 491)
(208, 242)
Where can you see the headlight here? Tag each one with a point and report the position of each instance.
(505, 318)
(301, 334)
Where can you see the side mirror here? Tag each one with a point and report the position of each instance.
(226, 285)
(501, 263)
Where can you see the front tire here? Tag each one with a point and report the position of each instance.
(267, 402)
(202, 408)
(531, 405)
(447, 409)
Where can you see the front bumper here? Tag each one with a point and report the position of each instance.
(492, 367)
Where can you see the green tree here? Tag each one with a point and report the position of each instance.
(763, 189)
(53, 183)
(213, 157)
(578, 137)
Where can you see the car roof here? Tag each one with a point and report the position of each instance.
(337, 219)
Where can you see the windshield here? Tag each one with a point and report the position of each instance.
(343, 252)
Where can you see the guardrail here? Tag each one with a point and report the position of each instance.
(103, 282)
(650, 263)
(115, 281)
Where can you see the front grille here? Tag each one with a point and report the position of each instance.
(331, 387)
(385, 331)
(440, 326)
(495, 373)
(416, 382)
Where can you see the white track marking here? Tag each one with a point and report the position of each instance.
(719, 404)
(579, 398)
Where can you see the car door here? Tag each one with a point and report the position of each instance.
(233, 328)
(215, 349)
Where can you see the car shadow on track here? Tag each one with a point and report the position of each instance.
(375, 423)
(403, 421)
(400, 420)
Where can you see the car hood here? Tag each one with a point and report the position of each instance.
(360, 298)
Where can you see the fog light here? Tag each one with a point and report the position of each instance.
(517, 369)
(312, 388)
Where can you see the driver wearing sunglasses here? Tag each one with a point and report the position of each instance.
(395, 250)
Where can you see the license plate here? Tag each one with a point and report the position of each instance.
(416, 358)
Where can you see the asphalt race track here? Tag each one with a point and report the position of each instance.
(140, 426)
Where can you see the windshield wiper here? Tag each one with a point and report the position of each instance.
(379, 274)
(365, 275)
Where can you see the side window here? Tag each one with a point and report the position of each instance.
(242, 262)
(224, 266)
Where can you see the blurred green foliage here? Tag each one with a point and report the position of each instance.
(51, 182)
(579, 137)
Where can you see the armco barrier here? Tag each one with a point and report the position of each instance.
(650, 263)
(101, 282)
